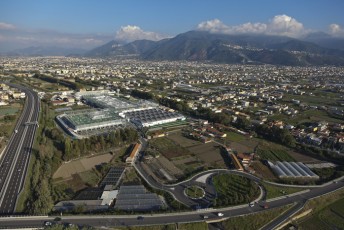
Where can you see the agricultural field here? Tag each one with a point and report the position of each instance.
(272, 152)
(263, 171)
(239, 143)
(168, 147)
(235, 137)
(322, 98)
(302, 157)
(179, 139)
(209, 153)
(90, 177)
(176, 156)
(73, 167)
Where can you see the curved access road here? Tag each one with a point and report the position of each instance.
(202, 180)
(15, 159)
(102, 221)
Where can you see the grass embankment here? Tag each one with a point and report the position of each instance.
(21, 202)
(233, 190)
(327, 212)
(273, 191)
(254, 221)
(188, 226)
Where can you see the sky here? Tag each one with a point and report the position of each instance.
(90, 23)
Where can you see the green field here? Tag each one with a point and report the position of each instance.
(90, 177)
(8, 111)
(231, 136)
(273, 154)
(322, 98)
(168, 148)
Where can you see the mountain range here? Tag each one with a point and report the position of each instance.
(314, 49)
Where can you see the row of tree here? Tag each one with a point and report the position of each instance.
(276, 134)
(39, 200)
(76, 148)
(69, 84)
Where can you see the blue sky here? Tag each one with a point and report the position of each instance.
(24, 21)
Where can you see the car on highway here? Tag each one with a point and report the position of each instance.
(16, 131)
(219, 214)
(47, 223)
(265, 206)
(251, 204)
(204, 216)
(140, 218)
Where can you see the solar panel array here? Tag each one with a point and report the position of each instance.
(151, 115)
(112, 177)
(90, 194)
(136, 197)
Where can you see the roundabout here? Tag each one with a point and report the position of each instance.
(194, 192)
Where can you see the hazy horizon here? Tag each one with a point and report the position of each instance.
(80, 24)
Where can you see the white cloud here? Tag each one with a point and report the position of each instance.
(132, 33)
(285, 25)
(214, 26)
(20, 38)
(6, 26)
(336, 30)
(278, 25)
(250, 28)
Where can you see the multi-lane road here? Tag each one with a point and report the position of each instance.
(15, 158)
(170, 218)
(13, 166)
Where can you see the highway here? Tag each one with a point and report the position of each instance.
(15, 159)
(13, 166)
(100, 221)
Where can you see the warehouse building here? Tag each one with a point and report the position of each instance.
(114, 112)
(117, 103)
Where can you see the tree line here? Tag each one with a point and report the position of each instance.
(71, 85)
(77, 148)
